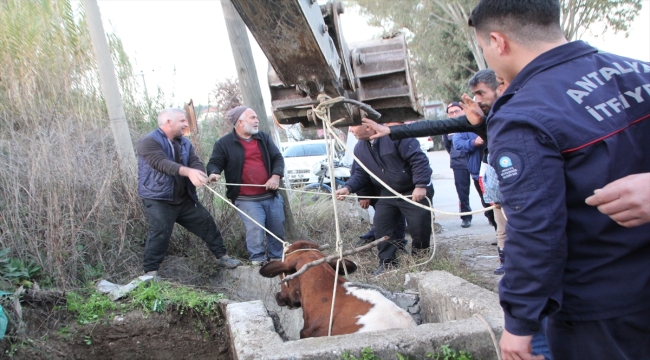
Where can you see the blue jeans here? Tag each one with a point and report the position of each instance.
(540, 344)
(270, 214)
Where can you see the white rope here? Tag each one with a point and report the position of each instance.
(494, 338)
(379, 197)
(322, 111)
(251, 219)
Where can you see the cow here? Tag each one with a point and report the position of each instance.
(356, 309)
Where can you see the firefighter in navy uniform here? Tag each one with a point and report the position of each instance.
(571, 121)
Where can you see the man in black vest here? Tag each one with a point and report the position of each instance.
(168, 173)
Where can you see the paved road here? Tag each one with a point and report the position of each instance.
(446, 199)
(474, 244)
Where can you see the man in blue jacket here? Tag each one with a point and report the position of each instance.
(168, 173)
(405, 168)
(458, 163)
(474, 146)
(571, 121)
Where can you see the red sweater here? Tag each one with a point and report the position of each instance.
(254, 171)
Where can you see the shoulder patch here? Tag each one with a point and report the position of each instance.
(509, 166)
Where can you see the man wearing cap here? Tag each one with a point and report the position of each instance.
(458, 163)
(168, 174)
(249, 158)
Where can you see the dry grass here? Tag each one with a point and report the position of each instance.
(316, 221)
(63, 202)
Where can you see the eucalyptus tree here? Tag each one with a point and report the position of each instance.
(443, 48)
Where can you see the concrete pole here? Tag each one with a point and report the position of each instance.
(246, 71)
(110, 90)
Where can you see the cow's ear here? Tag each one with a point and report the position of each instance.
(349, 265)
(275, 268)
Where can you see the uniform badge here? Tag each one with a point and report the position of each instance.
(509, 167)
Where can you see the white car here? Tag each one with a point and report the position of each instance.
(300, 157)
(426, 143)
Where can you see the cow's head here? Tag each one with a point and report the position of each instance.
(297, 255)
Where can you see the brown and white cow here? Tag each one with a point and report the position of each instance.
(356, 309)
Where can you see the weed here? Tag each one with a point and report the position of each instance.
(16, 271)
(448, 353)
(88, 340)
(89, 309)
(366, 354)
(157, 296)
(402, 357)
(64, 332)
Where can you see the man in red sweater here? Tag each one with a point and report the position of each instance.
(249, 157)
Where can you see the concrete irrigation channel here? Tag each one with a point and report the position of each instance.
(449, 311)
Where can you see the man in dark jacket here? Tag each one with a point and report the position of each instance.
(366, 202)
(168, 173)
(571, 121)
(405, 168)
(474, 146)
(249, 157)
(458, 163)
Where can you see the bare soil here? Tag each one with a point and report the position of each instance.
(56, 335)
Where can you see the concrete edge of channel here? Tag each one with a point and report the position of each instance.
(450, 300)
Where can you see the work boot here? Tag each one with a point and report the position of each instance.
(227, 262)
(259, 262)
(366, 238)
(383, 267)
(500, 270)
(466, 223)
(153, 273)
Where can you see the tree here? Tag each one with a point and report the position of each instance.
(578, 16)
(227, 95)
(443, 48)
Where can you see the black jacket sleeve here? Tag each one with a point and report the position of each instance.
(218, 159)
(277, 160)
(437, 127)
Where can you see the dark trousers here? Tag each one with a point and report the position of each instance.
(490, 213)
(462, 180)
(400, 230)
(387, 211)
(624, 337)
(162, 216)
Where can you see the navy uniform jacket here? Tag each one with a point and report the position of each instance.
(401, 164)
(572, 121)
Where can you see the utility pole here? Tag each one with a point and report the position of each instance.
(110, 90)
(250, 89)
(246, 71)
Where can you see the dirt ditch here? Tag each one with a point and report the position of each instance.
(55, 334)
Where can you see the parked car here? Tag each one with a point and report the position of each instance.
(426, 143)
(299, 159)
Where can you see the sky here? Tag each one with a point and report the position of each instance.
(183, 46)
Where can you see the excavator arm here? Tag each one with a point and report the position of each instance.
(309, 57)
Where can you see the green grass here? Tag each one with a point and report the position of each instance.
(149, 297)
(448, 353)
